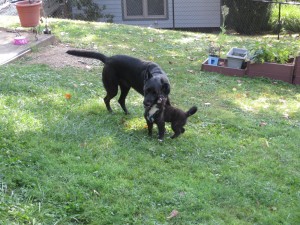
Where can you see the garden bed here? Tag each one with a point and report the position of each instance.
(222, 68)
(297, 71)
(276, 71)
(289, 72)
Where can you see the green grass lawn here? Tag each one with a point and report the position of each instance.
(290, 18)
(68, 161)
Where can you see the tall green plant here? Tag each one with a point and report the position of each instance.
(247, 16)
(277, 52)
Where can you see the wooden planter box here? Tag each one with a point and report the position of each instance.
(297, 71)
(289, 72)
(222, 68)
(274, 71)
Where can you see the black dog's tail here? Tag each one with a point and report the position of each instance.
(88, 54)
(191, 111)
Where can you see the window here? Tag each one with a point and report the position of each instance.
(145, 9)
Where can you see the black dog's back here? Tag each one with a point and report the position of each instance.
(122, 63)
(127, 72)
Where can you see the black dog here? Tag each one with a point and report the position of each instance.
(129, 72)
(161, 112)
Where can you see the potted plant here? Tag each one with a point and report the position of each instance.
(29, 12)
(221, 67)
(271, 60)
(215, 50)
(214, 63)
(213, 57)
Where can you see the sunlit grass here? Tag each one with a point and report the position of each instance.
(66, 160)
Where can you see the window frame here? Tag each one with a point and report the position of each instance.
(145, 15)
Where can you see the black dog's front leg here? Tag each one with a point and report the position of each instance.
(161, 130)
(150, 127)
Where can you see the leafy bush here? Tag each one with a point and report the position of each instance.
(248, 17)
(276, 52)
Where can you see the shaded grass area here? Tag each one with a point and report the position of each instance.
(68, 161)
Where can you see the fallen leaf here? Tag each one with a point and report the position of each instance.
(262, 124)
(267, 144)
(82, 62)
(173, 214)
(96, 192)
(286, 116)
(182, 194)
(68, 95)
(282, 101)
(190, 58)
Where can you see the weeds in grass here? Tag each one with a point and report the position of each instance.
(68, 161)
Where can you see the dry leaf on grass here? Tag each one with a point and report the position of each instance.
(173, 214)
(262, 124)
(68, 95)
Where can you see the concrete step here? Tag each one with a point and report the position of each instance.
(9, 51)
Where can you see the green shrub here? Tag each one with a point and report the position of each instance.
(248, 17)
(277, 52)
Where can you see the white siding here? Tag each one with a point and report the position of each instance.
(197, 13)
(188, 14)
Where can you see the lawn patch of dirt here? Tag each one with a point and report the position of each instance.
(56, 57)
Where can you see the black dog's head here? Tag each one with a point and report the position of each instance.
(155, 86)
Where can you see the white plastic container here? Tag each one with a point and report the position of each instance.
(236, 57)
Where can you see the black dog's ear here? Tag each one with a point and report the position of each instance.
(166, 88)
(147, 74)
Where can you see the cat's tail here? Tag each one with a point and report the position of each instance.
(191, 111)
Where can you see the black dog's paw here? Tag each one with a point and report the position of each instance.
(174, 136)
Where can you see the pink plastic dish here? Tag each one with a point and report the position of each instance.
(20, 40)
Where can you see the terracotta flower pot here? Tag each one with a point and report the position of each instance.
(29, 12)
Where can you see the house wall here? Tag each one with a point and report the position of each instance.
(188, 14)
(197, 13)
